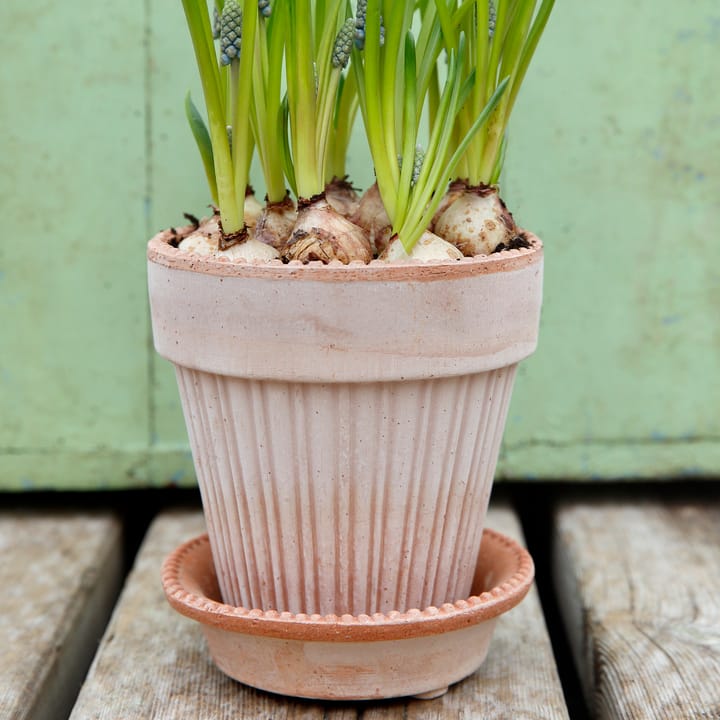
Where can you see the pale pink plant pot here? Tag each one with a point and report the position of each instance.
(345, 421)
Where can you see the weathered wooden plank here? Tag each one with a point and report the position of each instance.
(639, 584)
(153, 662)
(60, 574)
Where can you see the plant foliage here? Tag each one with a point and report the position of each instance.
(434, 80)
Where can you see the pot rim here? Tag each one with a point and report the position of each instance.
(188, 599)
(161, 251)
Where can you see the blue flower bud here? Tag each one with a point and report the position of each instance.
(216, 24)
(343, 44)
(360, 19)
(230, 32)
(417, 165)
(360, 16)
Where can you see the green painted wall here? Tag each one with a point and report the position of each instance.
(614, 161)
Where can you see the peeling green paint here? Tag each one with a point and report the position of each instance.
(613, 161)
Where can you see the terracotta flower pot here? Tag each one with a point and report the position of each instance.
(345, 421)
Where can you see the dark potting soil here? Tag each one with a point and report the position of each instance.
(520, 241)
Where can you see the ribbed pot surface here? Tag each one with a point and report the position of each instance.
(350, 498)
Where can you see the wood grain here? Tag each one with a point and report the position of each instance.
(60, 574)
(639, 583)
(153, 663)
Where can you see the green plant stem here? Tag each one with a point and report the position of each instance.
(198, 21)
(328, 84)
(410, 126)
(266, 101)
(396, 17)
(427, 204)
(446, 23)
(521, 34)
(346, 111)
(433, 97)
(518, 26)
(481, 46)
(242, 83)
(313, 84)
(285, 145)
(411, 201)
(528, 50)
(301, 96)
(368, 68)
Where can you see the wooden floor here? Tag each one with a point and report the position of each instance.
(631, 597)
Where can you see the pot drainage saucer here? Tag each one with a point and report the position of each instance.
(346, 657)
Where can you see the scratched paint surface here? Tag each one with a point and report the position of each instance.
(73, 327)
(615, 164)
(614, 160)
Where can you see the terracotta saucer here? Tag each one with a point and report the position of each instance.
(346, 657)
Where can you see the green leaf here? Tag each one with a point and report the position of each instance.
(410, 121)
(449, 29)
(198, 21)
(286, 151)
(536, 30)
(479, 122)
(202, 138)
(410, 237)
(495, 177)
(241, 78)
